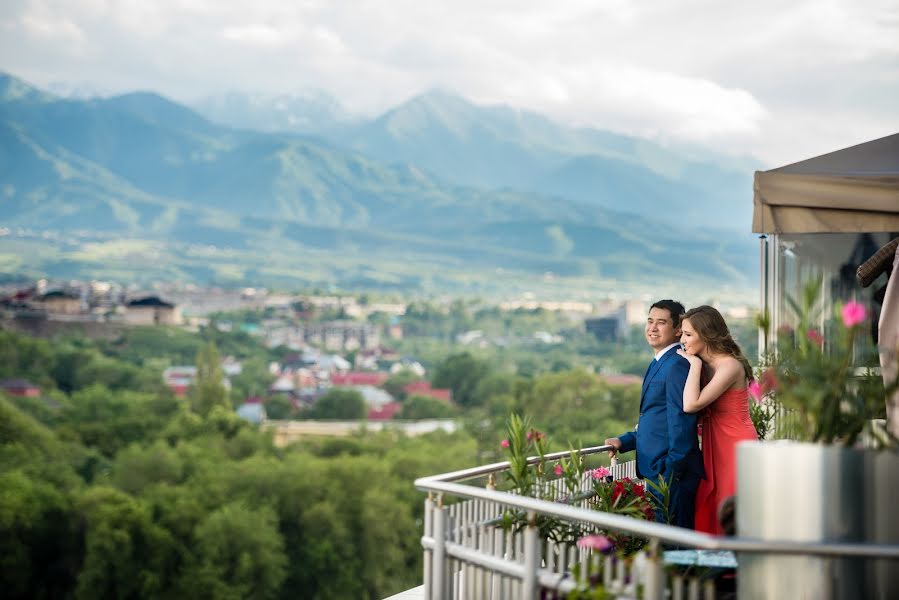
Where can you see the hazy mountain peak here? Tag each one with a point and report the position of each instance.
(154, 108)
(307, 111)
(14, 89)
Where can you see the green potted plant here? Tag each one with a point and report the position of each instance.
(816, 482)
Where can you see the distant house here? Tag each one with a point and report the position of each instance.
(59, 303)
(408, 364)
(20, 387)
(231, 366)
(355, 378)
(423, 388)
(373, 396)
(178, 379)
(150, 310)
(253, 411)
(333, 362)
(282, 385)
(385, 412)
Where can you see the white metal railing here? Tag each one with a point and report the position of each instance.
(468, 555)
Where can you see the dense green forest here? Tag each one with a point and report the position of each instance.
(112, 487)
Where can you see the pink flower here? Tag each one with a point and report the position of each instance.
(601, 472)
(854, 313)
(815, 337)
(755, 390)
(504, 443)
(599, 543)
(769, 380)
(558, 469)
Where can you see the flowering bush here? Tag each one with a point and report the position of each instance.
(762, 408)
(625, 496)
(814, 380)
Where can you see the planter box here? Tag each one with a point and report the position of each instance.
(816, 493)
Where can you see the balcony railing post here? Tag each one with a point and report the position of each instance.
(531, 558)
(429, 553)
(655, 576)
(438, 568)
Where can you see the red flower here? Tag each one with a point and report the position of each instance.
(617, 491)
(638, 489)
(814, 337)
(769, 380)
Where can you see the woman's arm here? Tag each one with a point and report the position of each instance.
(695, 399)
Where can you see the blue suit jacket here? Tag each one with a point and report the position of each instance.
(665, 439)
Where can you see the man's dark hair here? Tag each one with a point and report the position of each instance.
(674, 307)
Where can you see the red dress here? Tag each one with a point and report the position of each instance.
(725, 422)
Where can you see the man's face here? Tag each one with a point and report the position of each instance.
(660, 329)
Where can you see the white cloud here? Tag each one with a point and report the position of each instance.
(255, 35)
(763, 77)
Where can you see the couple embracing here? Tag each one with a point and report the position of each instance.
(698, 375)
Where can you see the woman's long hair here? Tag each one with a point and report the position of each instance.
(711, 328)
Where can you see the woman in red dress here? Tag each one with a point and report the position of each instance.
(717, 362)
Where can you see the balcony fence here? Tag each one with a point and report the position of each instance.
(468, 554)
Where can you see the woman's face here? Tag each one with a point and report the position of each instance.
(693, 344)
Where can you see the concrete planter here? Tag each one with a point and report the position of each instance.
(815, 493)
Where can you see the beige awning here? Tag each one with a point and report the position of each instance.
(848, 191)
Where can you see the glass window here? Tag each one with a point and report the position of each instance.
(833, 259)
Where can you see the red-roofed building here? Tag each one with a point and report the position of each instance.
(353, 378)
(423, 388)
(385, 412)
(20, 387)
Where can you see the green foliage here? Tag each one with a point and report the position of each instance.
(280, 407)
(126, 555)
(339, 403)
(25, 358)
(461, 373)
(253, 380)
(208, 390)
(108, 420)
(238, 553)
(395, 383)
(425, 407)
(822, 379)
(125, 491)
(38, 546)
(137, 467)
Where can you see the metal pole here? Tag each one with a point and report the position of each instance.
(655, 576)
(438, 569)
(429, 554)
(531, 558)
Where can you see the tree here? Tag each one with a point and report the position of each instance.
(125, 554)
(396, 382)
(238, 553)
(110, 420)
(253, 380)
(38, 547)
(425, 407)
(279, 407)
(209, 390)
(461, 373)
(339, 403)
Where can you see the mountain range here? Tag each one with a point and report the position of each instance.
(437, 193)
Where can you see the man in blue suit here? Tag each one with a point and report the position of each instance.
(665, 437)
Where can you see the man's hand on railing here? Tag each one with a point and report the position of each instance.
(615, 443)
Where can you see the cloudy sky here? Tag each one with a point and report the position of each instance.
(778, 80)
